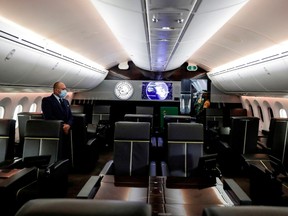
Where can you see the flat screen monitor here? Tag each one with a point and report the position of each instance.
(157, 90)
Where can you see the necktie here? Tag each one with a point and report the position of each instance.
(62, 105)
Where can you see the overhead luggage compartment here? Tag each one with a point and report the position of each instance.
(26, 61)
(265, 74)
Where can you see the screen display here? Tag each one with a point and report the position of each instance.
(157, 90)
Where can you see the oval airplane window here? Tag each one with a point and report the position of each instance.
(251, 109)
(260, 113)
(283, 113)
(2, 110)
(270, 111)
(18, 109)
(33, 107)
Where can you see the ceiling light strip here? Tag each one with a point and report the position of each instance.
(192, 12)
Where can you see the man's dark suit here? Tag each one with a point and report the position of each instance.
(52, 110)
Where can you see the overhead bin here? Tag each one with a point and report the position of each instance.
(25, 61)
(265, 74)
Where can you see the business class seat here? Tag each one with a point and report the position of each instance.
(131, 150)
(99, 113)
(131, 156)
(185, 157)
(43, 149)
(7, 140)
(146, 118)
(269, 170)
(242, 140)
(76, 207)
(23, 117)
(184, 149)
(245, 210)
(84, 150)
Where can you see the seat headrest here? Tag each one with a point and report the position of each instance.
(185, 131)
(138, 116)
(77, 207)
(43, 128)
(132, 130)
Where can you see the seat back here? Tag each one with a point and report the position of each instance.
(277, 138)
(43, 137)
(144, 110)
(139, 118)
(84, 152)
(23, 117)
(131, 148)
(77, 207)
(244, 134)
(185, 147)
(245, 210)
(7, 139)
(100, 112)
(175, 118)
(77, 109)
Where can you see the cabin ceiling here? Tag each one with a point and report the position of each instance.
(84, 26)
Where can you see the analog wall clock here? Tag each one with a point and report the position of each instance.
(123, 90)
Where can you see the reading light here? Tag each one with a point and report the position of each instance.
(155, 20)
(180, 20)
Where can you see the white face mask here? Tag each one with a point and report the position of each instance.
(63, 93)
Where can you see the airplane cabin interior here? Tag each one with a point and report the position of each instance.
(179, 107)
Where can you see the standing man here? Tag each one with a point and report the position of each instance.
(56, 107)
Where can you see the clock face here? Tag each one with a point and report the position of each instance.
(123, 90)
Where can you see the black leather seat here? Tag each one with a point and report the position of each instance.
(184, 149)
(76, 207)
(242, 140)
(23, 117)
(7, 139)
(268, 171)
(245, 210)
(131, 150)
(85, 152)
(100, 112)
(43, 149)
(140, 118)
(145, 118)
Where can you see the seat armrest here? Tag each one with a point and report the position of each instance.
(90, 188)
(91, 141)
(12, 164)
(231, 187)
(108, 168)
(164, 169)
(152, 169)
(57, 165)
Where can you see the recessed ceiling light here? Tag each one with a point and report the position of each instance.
(167, 28)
